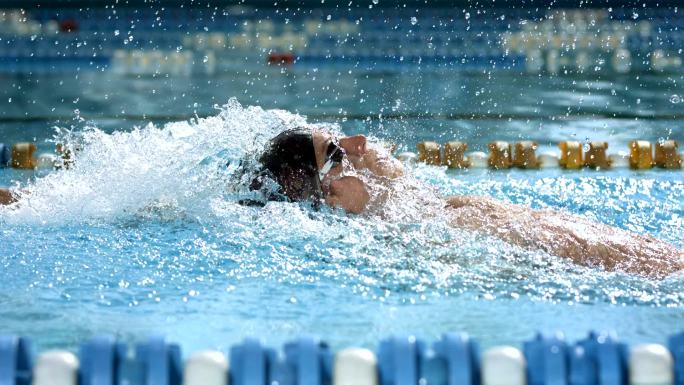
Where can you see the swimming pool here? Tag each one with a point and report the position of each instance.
(144, 235)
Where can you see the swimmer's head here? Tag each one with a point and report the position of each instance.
(290, 160)
(318, 166)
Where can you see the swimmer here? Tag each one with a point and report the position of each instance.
(318, 166)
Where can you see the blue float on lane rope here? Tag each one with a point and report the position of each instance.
(599, 360)
(547, 360)
(398, 361)
(101, 361)
(15, 361)
(461, 357)
(160, 362)
(309, 361)
(676, 345)
(250, 363)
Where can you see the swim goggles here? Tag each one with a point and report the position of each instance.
(333, 157)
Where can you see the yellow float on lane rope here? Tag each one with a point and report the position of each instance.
(596, 157)
(500, 155)
(22, 155)
(640, 154)
(454, 154)
(525, 156)
(429, 152)
(666, 155)
(570, 155)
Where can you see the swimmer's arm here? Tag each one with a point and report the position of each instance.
(6, 197)
(565, 235)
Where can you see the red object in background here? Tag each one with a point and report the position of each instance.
(281, 58)
(68, 25)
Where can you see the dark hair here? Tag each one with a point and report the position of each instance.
(290, 160)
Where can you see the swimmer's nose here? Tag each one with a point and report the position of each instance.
(354, 145)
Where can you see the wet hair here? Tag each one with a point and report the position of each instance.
(290, 160)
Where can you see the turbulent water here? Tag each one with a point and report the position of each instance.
(144, 232)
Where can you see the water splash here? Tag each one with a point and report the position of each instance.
(179, 167)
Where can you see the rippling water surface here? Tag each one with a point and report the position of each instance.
(145, 234)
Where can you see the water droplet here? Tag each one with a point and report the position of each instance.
(116, 32)
(10, 100)
(414, 20)
(675, 99)
(467, 16)
(635, 16)
(329, 17)
(376, 2)
(205, 59)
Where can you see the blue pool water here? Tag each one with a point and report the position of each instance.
(145, 235)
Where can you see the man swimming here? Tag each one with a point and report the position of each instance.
(319, 166)
(349, 174)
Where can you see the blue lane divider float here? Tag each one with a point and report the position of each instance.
(676, 345)
(15, 361)
(459, 361)
(453, 360)
(547, 360)
(102, 361)
(250, 362)
(159, 362)
(398, 360)
(599, 359)
(309, 361)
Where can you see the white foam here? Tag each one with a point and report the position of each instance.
(179, 167)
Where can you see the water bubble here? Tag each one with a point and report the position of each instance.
(675, 99)
(467, 16)
(116, 32)
(376, 2)
(329, 17)
(414, 20)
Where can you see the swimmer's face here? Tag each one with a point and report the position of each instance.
(344, 191)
